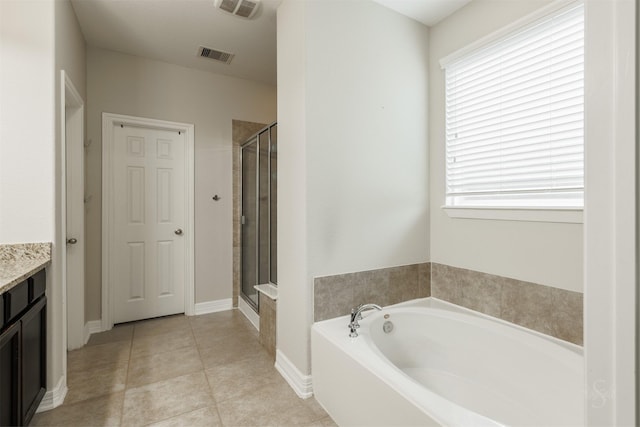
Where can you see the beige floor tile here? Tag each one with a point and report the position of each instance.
(86, 358)
(314, 406)
(233, 380)
(274, 404)
(324, 422)
(147, 369)
(156, 344)
(118, 333)
(162, 362)
(102, 411)
(205, 417)
(210, 339)
(165, 399)
(230, 351)
(95, 382)
(161, 325)
(221, 322)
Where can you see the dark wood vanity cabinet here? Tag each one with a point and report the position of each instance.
(23, 351)
(34, 350)
(10, 376)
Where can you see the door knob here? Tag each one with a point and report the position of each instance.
(72, 241)
(178, 231)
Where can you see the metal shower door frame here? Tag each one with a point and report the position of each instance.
(255, 138)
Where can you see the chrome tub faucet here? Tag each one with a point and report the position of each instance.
(356, 314)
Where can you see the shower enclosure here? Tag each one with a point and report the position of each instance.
(258, 217)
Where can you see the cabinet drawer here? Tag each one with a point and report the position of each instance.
(16, 300)
(37, 285)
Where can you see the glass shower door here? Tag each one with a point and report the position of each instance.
(259, 213)
(249, 222)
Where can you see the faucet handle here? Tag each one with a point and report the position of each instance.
(356, 314)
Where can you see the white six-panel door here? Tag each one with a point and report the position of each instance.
(147, 262)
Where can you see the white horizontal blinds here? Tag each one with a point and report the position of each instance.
(515, 118)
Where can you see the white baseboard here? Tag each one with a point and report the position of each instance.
(248, 312)
(91, 327)
(299, 382)
(54, 398)
(213, 306)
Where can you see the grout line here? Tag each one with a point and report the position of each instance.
(241, 326)
(204, 371)
(126, 377)
(206, 377)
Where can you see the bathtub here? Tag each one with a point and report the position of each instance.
(443, 365)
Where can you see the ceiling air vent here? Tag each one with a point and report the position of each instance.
(243, 8)
(217, 55)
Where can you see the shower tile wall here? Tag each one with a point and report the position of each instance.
(240, 131)
(552, 311)
(268, 308)
(336, 295)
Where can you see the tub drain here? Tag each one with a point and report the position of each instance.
(387, 327)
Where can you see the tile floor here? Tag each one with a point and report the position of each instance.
(206, 370)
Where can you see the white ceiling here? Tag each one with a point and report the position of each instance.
(172, 31)
(429, 12)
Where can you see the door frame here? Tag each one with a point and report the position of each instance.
(109, 120)
(72, 137)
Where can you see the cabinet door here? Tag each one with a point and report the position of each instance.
(10, 376)
(34, 349)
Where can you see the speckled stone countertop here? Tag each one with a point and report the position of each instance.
(21, 260)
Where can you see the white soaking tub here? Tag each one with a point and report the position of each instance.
(444, 365)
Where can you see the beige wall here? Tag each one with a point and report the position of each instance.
(543, 253)
(26, 121)
(37, 40)
(367, 138)
(125, 84)
(353, 161)
(294, 291)
(70, 57)
(70, 47)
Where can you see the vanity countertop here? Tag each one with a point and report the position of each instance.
(21, 260)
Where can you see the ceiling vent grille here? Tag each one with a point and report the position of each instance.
(242, 8)
(216, 55)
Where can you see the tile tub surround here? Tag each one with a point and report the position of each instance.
(19, 261)
(552, 311)
(335, 296)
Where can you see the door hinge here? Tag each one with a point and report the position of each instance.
(242, 220)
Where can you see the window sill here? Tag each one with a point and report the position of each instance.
(562, 215)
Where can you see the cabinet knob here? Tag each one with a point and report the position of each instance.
(178, 231)
(72, 241)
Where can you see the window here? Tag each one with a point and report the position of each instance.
(515, 118)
